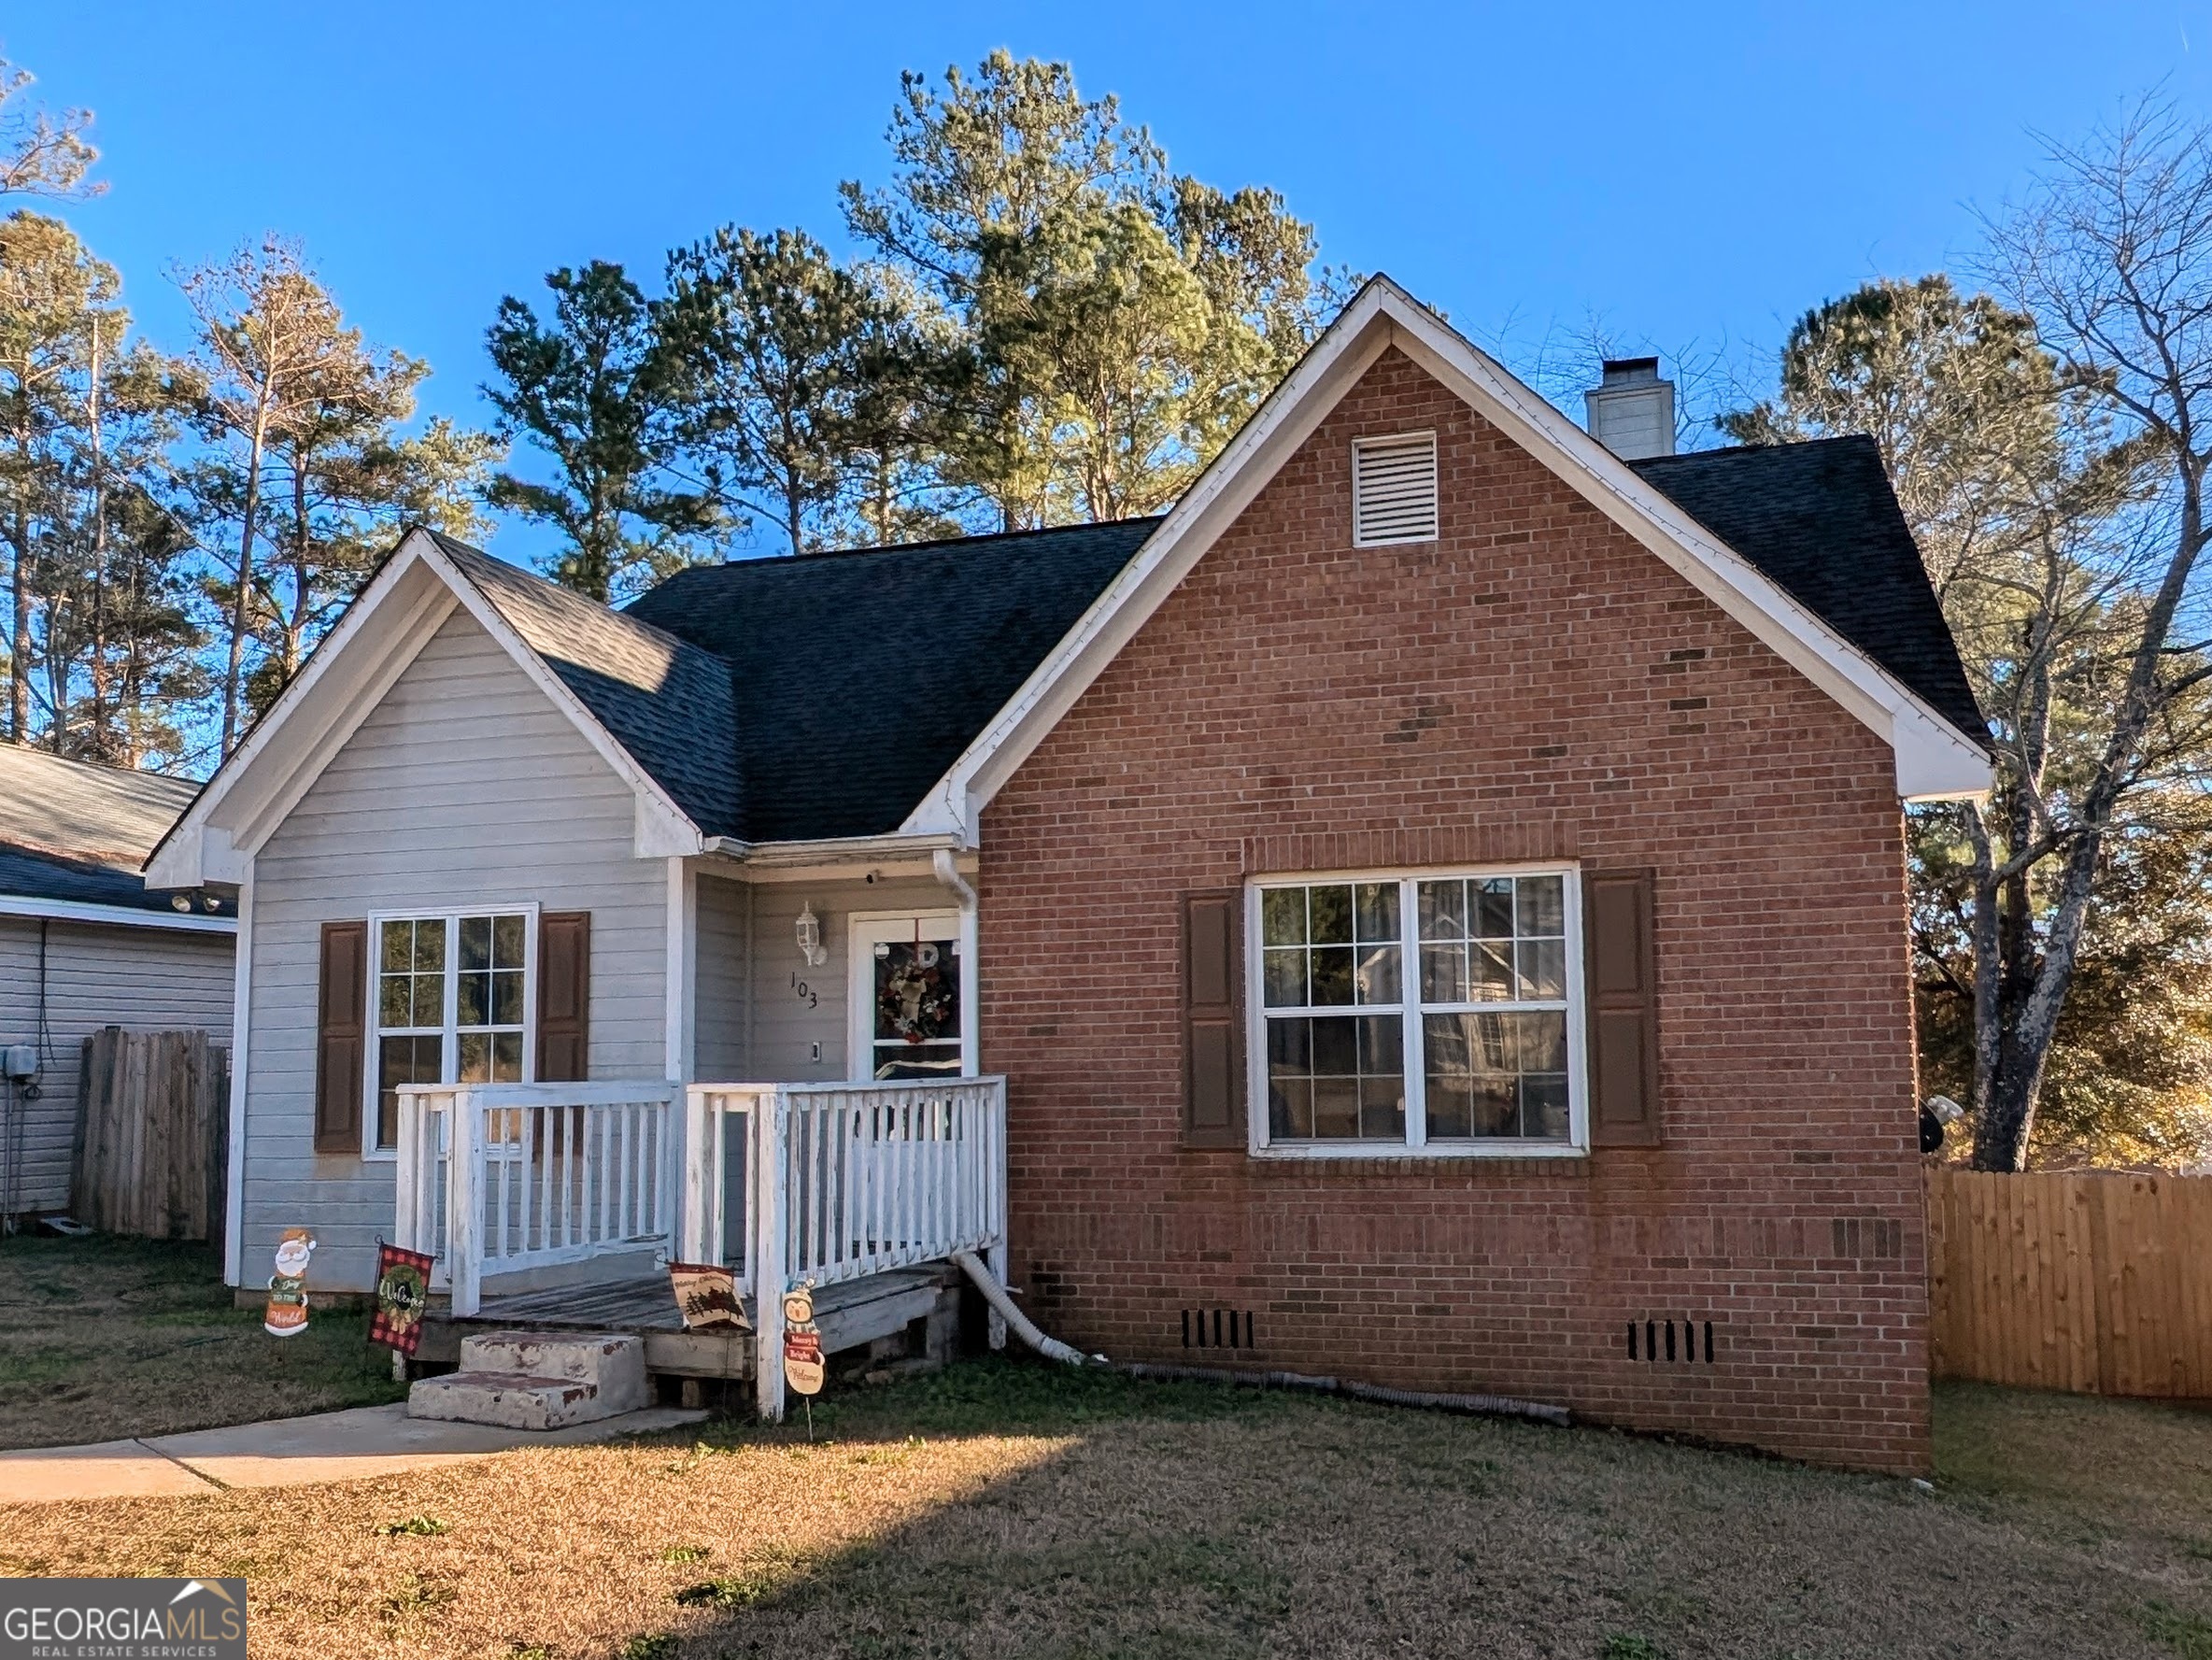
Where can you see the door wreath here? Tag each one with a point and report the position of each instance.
(914, 998)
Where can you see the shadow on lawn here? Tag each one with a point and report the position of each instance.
(1171, 1520)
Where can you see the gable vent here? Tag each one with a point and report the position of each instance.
(1394, 488)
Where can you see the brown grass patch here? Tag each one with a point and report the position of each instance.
(108, 1337)
(1003, 1510)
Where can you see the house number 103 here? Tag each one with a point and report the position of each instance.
(806, 993)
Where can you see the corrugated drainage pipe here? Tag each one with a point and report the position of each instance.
(1017, 1322)
(1487, 1405)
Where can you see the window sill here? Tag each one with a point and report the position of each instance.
(1447, 1151)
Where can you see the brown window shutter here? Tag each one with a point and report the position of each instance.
(1213, 1021)
(341, 1019)
(564, 996)
(1622, 992)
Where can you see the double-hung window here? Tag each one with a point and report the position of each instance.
(1435, 1013)
(451, 1006)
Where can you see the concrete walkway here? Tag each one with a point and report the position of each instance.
(287, 1452)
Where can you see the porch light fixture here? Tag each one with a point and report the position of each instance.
(810, 939)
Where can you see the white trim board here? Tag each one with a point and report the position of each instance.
(1935, 760)
(181, 922)
(346, 676)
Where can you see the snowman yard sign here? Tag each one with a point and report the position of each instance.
(803, 1342)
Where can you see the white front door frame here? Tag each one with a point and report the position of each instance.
(865, 930)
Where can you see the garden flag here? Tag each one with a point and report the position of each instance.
(706, 1296)
(403, 1292)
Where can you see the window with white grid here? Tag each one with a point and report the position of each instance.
(1430, 1012)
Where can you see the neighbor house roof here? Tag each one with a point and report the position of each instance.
(73, 835)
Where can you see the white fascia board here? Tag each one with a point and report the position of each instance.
(662, 829)
(190, 855)
(175, 922)
(954, 805)
(1866, 690)
(770, 861)
(1935, 760)
(344, 680)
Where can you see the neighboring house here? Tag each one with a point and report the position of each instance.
(1436, 899)
(84, 943)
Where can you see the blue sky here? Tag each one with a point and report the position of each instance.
(1685, 174)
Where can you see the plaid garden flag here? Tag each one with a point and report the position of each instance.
(402, 1293)
(706, 1296)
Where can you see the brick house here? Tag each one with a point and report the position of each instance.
(1429, 910)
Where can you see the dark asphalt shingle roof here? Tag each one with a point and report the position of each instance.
(781, 699)
(1821, 520)
(29, 873)
(859, 677)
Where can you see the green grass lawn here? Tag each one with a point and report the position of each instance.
(104, 1337)
(1009, 1509)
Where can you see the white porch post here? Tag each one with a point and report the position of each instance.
(701, 1234)
(764, 1253)
(407, 1177)
(465, 1203)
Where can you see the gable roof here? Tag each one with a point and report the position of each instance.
(1938, 755)
(1819, 518)
(73, 833)
(859, 677)
(891, 691)
(668, 702)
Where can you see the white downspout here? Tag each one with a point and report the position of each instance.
(948, 872)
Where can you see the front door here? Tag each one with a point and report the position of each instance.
(906, 996)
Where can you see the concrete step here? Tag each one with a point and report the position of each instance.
(538, 1380)
(510, 1400)
(613, 1362)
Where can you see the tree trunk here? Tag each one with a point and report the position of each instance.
(103, 743)
(242, 604)
(18, 645)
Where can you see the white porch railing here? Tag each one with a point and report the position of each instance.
(841, 1181)
(505, 1178)
(785, 1182)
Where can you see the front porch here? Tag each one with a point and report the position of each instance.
(560, 1206)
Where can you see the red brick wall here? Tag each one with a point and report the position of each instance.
(1535, 684)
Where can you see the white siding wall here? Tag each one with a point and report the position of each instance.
(143, 978)
(722, 1000)
(784, 1025)
(464, 787)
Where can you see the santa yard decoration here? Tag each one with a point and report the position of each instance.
(286, 1312)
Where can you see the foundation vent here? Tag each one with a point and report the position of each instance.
(1218, 1329)
(1680, 1343)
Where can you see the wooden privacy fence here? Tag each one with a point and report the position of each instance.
(152, 1134)
(2096, 1283)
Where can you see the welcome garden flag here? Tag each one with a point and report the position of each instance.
(402, 1293)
